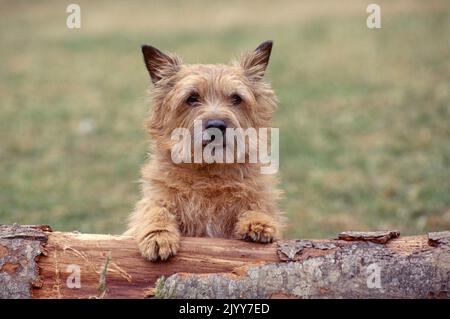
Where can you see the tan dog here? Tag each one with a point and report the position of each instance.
(230, 200)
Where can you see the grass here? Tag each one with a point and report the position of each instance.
(364, 115)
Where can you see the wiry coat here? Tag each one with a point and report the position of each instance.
(219, 200)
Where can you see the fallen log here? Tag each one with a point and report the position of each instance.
(36, 262)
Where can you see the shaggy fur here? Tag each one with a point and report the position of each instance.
(217, 200)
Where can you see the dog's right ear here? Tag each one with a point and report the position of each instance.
(159, 64)
(255, 63)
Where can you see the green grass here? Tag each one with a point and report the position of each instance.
(364, 115)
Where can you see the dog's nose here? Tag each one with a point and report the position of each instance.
(219, 124)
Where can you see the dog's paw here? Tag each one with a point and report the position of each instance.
(159, 245)
(256, 227)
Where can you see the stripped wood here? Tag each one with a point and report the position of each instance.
(38, 263)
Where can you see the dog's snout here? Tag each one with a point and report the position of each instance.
(218, 124)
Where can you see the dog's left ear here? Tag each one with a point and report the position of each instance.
(158, 63)
(255, 63)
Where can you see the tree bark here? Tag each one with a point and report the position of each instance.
(38, 263)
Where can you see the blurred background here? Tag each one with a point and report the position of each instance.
(364, 114)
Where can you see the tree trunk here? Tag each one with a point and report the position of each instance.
(38, 263)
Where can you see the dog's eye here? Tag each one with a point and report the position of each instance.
(236, 99)
(193, 99)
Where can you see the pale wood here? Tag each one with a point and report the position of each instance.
(111, 267)
(128, 274)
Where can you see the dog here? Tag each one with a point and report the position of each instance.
(227, 200)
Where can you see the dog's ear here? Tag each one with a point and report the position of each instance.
(255, 63)
(159, 64)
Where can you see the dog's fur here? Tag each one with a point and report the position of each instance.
(217, 200)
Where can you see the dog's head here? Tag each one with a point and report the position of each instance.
(220, 96)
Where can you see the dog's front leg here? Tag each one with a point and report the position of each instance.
(156, 232)
(257, 226)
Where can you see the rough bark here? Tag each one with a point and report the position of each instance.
(20, 247)
(38, 263)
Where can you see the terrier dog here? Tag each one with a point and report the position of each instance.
(229, 200)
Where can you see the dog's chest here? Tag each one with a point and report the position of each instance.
(212, 217)
(210, 207)
(212, 229)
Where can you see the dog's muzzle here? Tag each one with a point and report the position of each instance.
(212, 128)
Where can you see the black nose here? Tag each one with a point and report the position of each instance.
(219, 124)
